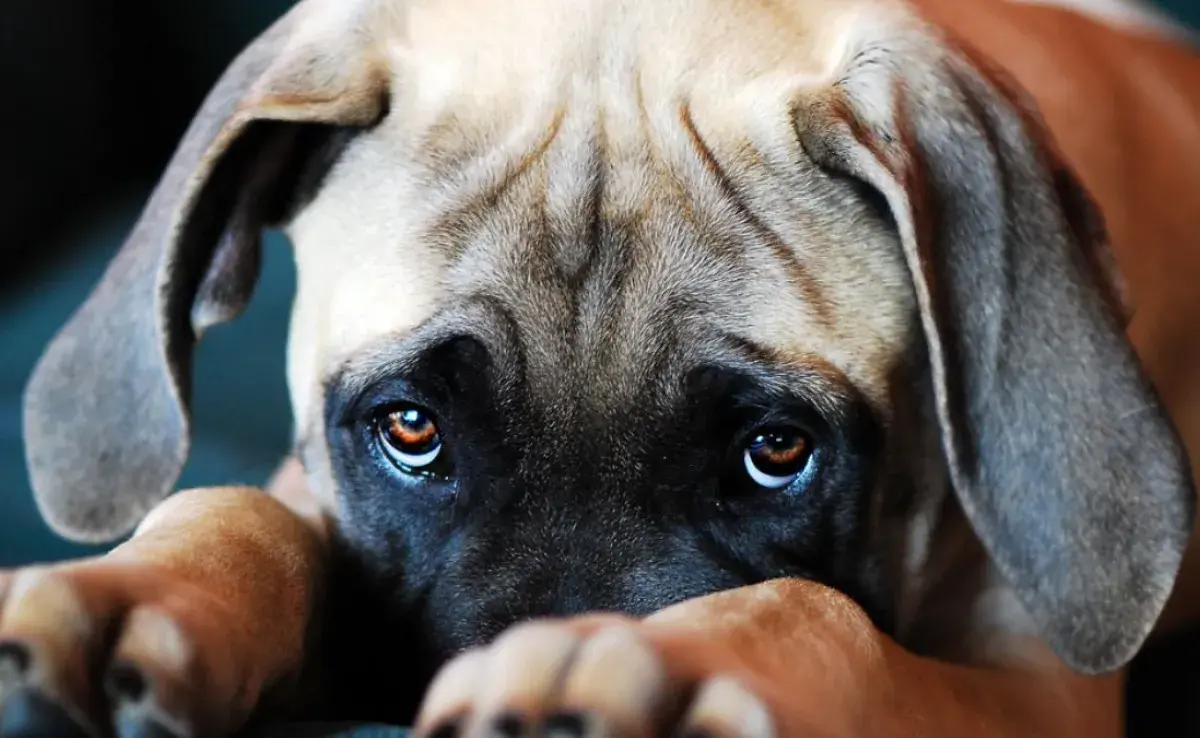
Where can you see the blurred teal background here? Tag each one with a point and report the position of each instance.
(96, 95)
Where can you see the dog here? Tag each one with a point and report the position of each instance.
(700, 367)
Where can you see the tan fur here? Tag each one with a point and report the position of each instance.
(692, 102)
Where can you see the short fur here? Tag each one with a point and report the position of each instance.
(601, 254)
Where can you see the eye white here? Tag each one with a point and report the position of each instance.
(413, 461)
(763, 479)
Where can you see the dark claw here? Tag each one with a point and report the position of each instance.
(126, 684)
(130, 726)
(25, 713)
(131, 694)
(15, 659)
(566, 725)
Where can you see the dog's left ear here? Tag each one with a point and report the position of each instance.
(1058, 447)
(107, 409)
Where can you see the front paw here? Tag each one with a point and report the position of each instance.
(101, 647)
(589, 677)
(785, 657)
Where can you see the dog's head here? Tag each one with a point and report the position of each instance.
(606, 305)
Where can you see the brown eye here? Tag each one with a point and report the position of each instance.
(776, 458)
(410, 438)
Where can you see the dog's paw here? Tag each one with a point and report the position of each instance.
(101, 647)
(591, 677)
(781, 658)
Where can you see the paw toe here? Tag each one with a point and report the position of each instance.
(448, 701)
(149, 681)
(618, 683)
(75, 655)
(723, 707)
(556, 680)
(46, 637)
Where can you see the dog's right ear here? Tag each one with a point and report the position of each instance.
(107, 418)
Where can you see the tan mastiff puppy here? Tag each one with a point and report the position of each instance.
(805, 367)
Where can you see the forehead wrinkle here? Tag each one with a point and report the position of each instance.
(588, 337)
(561, 266)
(669, 276)
(511, 262)
(799, 275)
(574, 193)
(714, 202)
(472, 189)
(540, 258)
(660, 162)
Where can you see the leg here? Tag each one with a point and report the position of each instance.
(187, 626)
(784, 658)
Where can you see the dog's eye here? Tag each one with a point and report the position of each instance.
(775, 458)
(410, 438)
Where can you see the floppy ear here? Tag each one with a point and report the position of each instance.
(1058, 448)
(106, 418)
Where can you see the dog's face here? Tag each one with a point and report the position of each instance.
(618, 380)
(611, 307)
(588, 350)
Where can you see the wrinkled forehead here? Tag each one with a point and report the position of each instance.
(612, 198)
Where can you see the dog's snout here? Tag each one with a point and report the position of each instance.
(588, 566)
